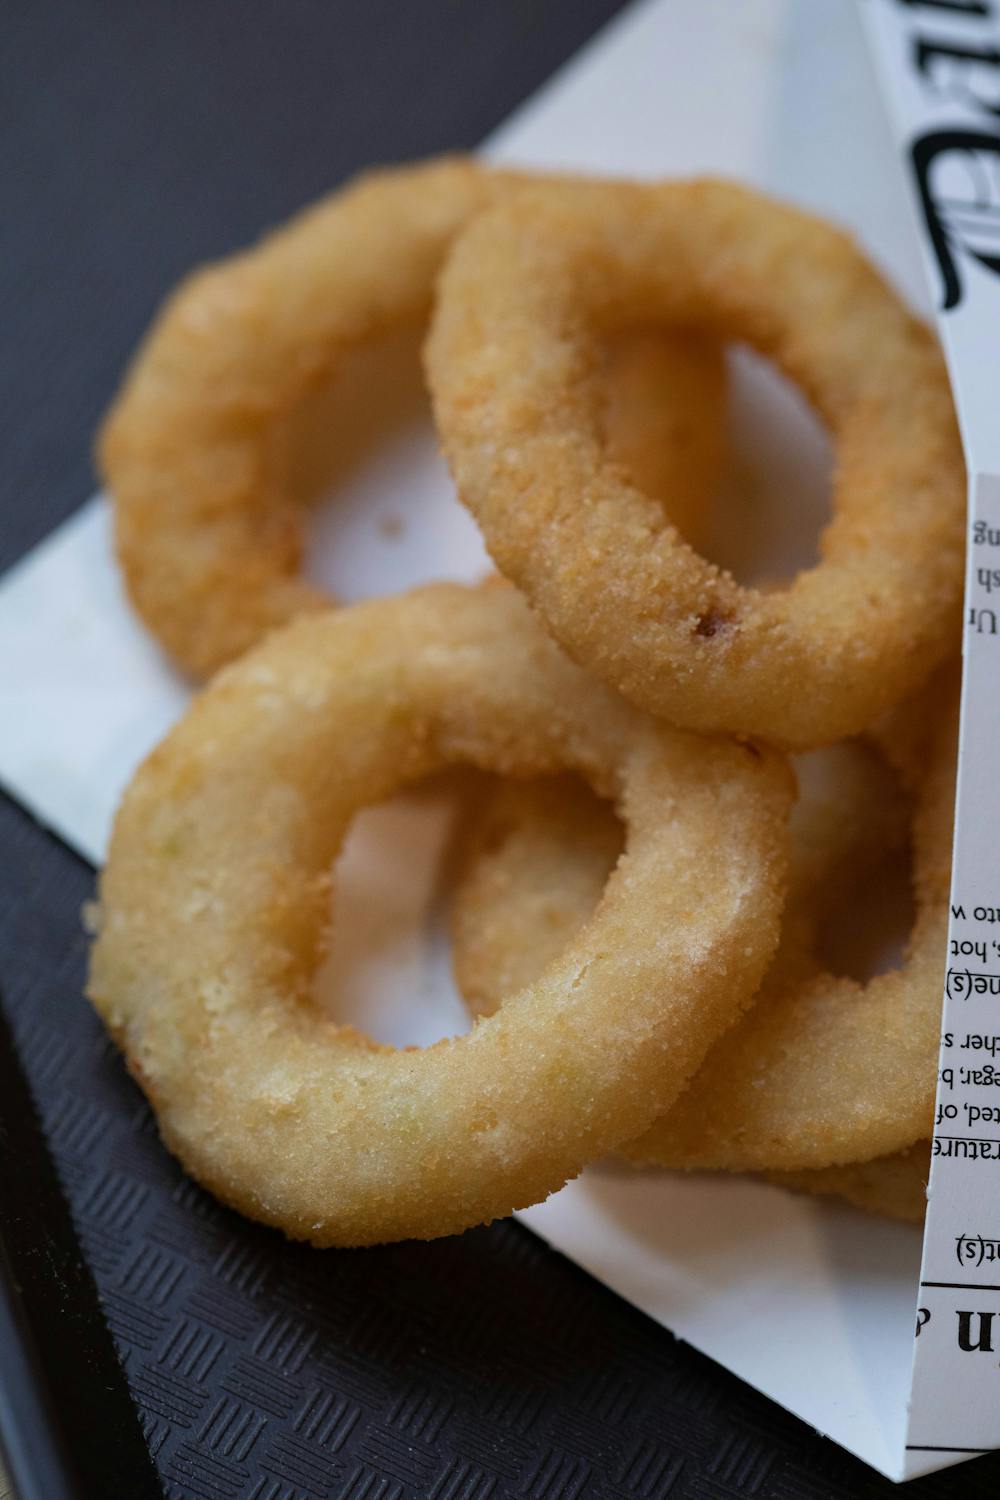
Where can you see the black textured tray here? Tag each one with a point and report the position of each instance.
(138, 139)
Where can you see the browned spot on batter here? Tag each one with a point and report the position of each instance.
(711, 623)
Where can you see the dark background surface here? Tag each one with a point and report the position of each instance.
(136, 139)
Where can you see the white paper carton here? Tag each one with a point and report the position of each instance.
(809, 1301)
(938, 64)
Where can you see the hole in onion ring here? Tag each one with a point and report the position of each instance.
(362, 453)
(758, 490)
(377, 391)
(773, 499)
(388, 971)
(864, 933)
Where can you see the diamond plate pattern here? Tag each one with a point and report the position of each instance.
(480, 1368)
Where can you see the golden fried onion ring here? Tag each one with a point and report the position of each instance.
(821, 1070)
(194, 449)
(216, 893)
(537, 855)
(528, 288)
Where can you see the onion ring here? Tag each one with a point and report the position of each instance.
(822, 1070)
(532, 867)
(216, 890)
(510, 358)
(194, 449)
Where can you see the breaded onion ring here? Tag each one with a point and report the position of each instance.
(215, 899)
(538, 854)
(821, 1070)
(195, 447)
(528, 288)
(831, 1071)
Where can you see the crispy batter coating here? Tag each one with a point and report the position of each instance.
(199, 450)
(215, 897)
(528, 290)
(822, 1070)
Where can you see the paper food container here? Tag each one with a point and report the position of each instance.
(811, 1302)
